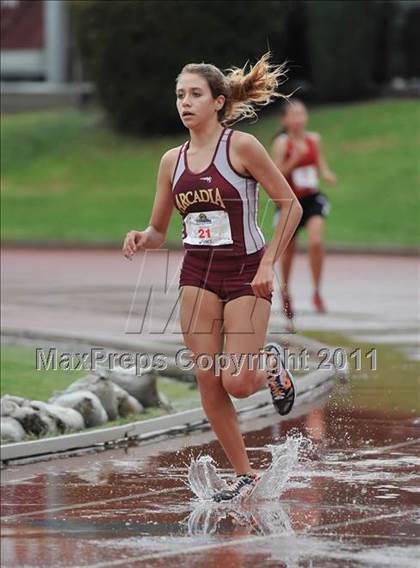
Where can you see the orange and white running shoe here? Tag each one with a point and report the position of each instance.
(281, 383)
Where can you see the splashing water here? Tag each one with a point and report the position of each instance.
(284, 461)
(264, 519)
(204, 480)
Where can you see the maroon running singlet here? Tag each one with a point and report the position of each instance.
(223, 242)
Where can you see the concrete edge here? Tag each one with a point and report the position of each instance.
(155, 426)
(332, 248)
(306, 385)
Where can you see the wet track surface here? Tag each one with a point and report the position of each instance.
(351, 500)
(88, 295)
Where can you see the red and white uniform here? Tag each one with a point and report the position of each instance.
(303, 179)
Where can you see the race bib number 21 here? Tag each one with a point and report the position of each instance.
(208, 228)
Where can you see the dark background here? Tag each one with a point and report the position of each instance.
(338, 50)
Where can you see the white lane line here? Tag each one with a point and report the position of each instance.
(18, 480)
(232, 542)
(361, 521)
(183, 551)
(88, 504)
(374, 451)
(374, 536)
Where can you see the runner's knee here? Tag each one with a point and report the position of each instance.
(240, 385)
(316, 244)
(211, 389)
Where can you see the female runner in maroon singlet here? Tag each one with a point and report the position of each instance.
(226, 279)
(299, 156)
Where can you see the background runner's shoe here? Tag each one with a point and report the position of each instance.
(287, 305)
(243, 486)
(319, 303)
(281, 385)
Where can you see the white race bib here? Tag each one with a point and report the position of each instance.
(305, 177)
(208, 228)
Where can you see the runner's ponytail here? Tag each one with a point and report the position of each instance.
(255, 88)
(243, 90)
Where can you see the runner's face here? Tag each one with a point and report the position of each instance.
(295, 118)
(194, 100)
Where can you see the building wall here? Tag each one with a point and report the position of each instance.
(34, 40)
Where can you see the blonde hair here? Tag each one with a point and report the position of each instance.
(242, 90)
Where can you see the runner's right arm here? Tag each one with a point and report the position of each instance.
(154, 235)
(324, 169)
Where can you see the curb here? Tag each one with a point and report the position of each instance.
(311, 385)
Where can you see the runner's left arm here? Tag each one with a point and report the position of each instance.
(256, 160)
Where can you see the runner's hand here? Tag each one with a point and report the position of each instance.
(262, 284)
(134, 241)
(330, 177)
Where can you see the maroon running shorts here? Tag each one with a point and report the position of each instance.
(227, 276)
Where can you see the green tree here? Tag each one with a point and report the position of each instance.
(341, 43)
(134, 50)
(411, 42)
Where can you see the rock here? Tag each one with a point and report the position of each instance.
(130, 405)
(86, 403)
(11, 430)
(174, 372)
(127, 404)
(38, 405)
(7, 406)
(49, 422)
(66, 418)
(34, 421)
(103, 388)
(19, 400)
(143, 387)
